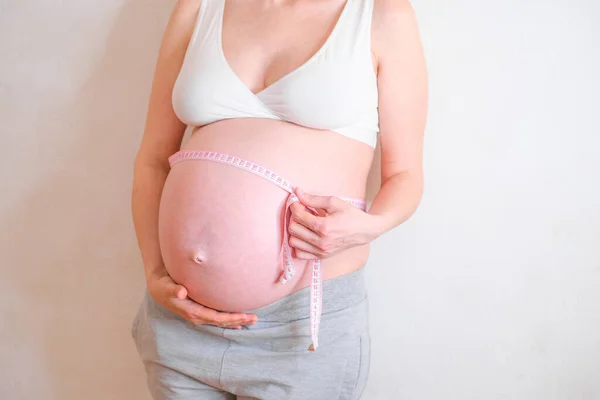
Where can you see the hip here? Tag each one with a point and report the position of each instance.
(267, 360)
(282, 325)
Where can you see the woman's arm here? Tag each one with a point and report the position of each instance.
(162, 137)
(403, 102)
(403, 98)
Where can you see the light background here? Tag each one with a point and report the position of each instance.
(489, 292)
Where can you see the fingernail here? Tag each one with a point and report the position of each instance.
(300, 190)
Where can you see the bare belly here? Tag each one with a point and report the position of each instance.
(220, 227)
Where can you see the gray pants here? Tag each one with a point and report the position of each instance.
(266, 361)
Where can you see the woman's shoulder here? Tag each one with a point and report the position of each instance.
(182, 21)
(393, 20)
(387, 14)
(187, 7)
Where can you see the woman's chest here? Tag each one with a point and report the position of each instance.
(263, 44)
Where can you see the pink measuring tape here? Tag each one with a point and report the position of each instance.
(316, 289)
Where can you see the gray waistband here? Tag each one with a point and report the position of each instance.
(338, 293)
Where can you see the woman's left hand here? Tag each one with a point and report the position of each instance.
(338, 226)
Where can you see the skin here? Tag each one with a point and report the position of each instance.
(338, 229)
(402, 85)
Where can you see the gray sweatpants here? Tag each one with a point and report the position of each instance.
(267, 361)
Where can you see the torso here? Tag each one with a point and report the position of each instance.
(231, 219)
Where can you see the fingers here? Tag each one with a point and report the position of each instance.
(302, 255)
(301, 215)
(172, 288)
(229, 326)
(180, 292)
(305, 251)
(200, 315)
(328, 203)
(174, 297)
(219, 317)
(303, 233)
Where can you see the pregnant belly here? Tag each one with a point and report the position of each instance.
(220, 231)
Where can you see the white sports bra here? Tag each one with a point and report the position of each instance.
(336, 89)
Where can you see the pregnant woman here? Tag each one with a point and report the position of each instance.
(254, 233)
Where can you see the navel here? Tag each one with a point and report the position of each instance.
(198, 257)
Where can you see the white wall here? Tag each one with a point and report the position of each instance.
(488, 292)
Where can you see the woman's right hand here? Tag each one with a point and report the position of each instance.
(173, 296)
